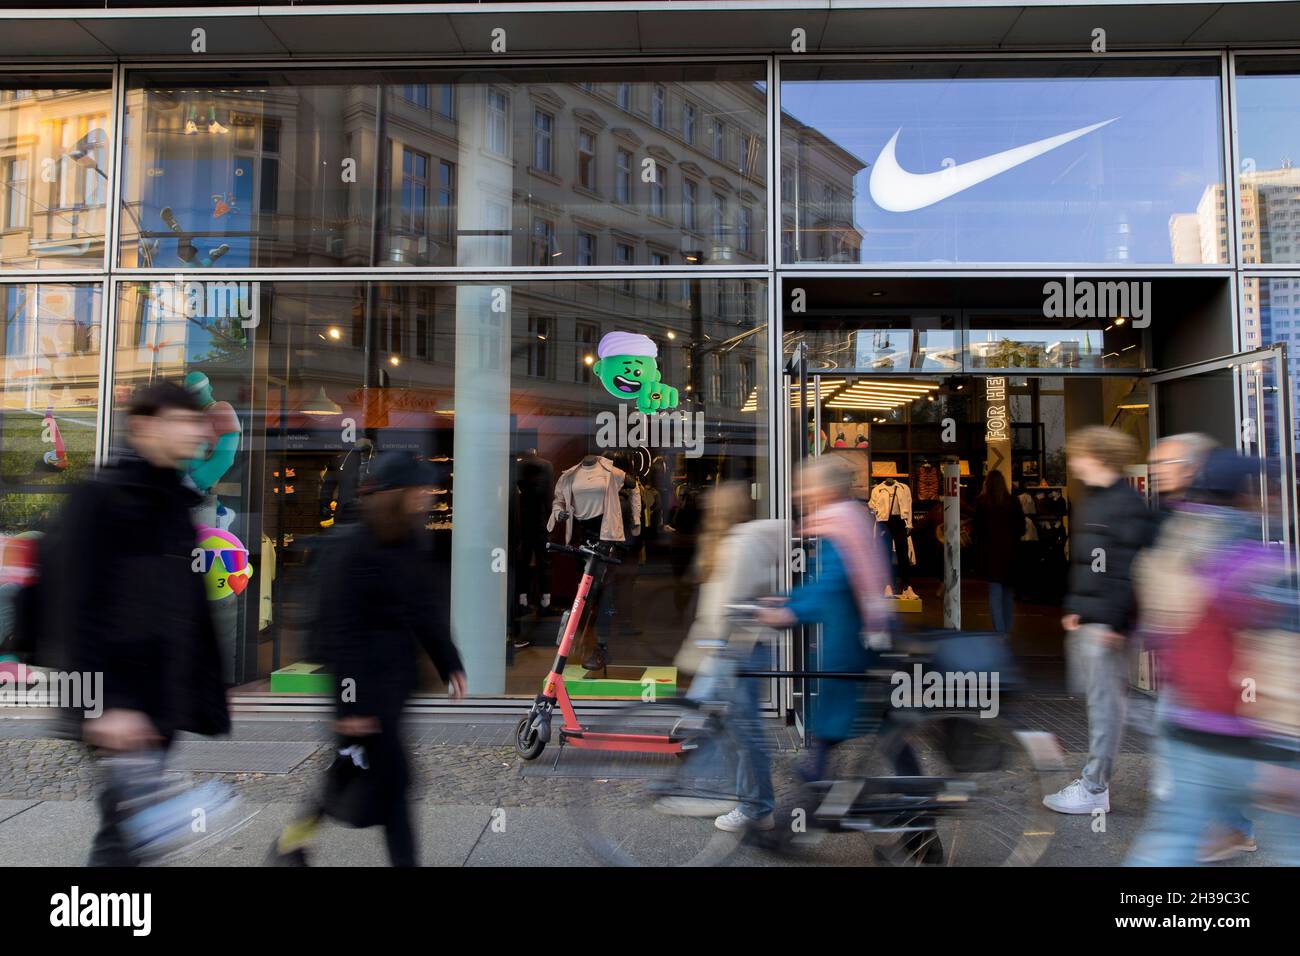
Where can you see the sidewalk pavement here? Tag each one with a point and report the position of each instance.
(475, 802)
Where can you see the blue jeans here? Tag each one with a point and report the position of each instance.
(1001, 603)
(753, 766)
(1203, 787)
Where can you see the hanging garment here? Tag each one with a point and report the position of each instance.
(927, 482)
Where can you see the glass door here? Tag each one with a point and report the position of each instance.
(1243, 401)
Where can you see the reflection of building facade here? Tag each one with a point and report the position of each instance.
(550, 174)
(54, 201)
(1270, 232)
(817, 196)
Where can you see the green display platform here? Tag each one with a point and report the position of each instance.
(621, 683)
(302, 678)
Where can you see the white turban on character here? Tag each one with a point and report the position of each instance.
(627, 343)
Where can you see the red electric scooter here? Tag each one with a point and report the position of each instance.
(534, 731)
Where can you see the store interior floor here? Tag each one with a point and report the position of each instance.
(1036, 638)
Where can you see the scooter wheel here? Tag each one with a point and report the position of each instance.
(528, 742)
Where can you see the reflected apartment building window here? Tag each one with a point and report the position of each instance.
(445, 99)
(587, 160)
(657, 191)
(417, 94)
(659, 107)
(268, 187)
(543, 242)
(623, 177)
(688, 122)
(660, 259)
(541, 329)
(586, 338)
(498, 122)
(445, 222)
(16, 192)
(690, 204)
(543, 141)
(415, 192)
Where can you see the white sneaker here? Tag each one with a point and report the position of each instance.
(737, 822)
(1076, 798)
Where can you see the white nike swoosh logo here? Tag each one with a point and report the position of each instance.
(895, 189)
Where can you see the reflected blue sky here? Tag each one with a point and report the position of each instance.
(1104, 197)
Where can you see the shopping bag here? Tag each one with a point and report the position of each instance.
(164, 816)
(353, 787)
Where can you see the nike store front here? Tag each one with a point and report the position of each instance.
(593, 260)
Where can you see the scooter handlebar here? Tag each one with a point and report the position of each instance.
(581, 552)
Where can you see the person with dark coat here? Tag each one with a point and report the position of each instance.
(125, 601)
(378, 608)
(1106, 534)
(999, 525)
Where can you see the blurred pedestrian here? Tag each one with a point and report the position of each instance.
(846, 598)
(1107, 531)
(738, 561)
(378, 606)
(1221, 606)
(1174, 463)
(126, 601)
(999, 525)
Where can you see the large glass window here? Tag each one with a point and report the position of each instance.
(1269, 181)
(196, 184)
(283, 168)
(506, 388)
(50, 380)
(1080, 161)
(54, 169)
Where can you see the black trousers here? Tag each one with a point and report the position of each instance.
(896, 531)
(109, 846)
(389, 757)
(534, 563)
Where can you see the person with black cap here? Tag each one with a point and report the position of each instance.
(378, 601)
(1220, 608)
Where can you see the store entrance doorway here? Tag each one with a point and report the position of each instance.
(923, 447)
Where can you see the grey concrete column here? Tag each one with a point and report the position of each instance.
(481, 462)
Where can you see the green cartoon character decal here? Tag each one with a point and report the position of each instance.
(628, 368)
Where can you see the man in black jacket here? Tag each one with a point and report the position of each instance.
(1107, 532)
(379, 604)
(126, 601)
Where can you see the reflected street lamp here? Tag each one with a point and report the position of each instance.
(83, 153)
